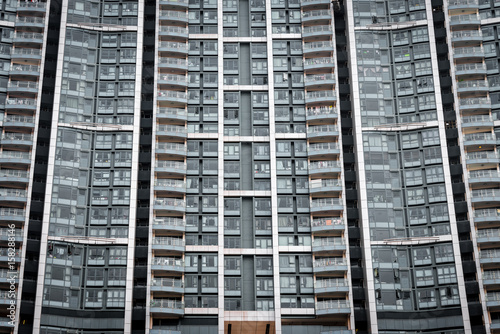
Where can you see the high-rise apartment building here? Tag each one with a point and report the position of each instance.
(249, 166)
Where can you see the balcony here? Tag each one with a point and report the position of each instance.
(17, 139)
(471, 52)
(173, 47)
(332, 307)
(489, 215)
(319, 186)
(472, 86)
(174, 31)
(323, 149)
(26, 53)
(167, 264)
(491, 278)
(479, 139)
(6, 254)
(329, 265)
(30, 21)
(167, 284)
(474, 104)
(24, 70)
(305, 3)
(314, 81)
(173, 63)
(326, 205)
(13, 195)
(170, 148)
(172, 80)
(321, 96)
(488, 235)
(175, 3)
(170, 166)
(20, 104)
(315, 31)
(322, 131)
(19, 121)
(7, 275)
(163, 331)
(172, 113)
(463, 4)
(171, 244)
(489, 257)
(327, 224)
(482, 157)
(321, 113)
(328, 244)
(12, 215)
(31, 6)
(493, 299)
(466, 36)
(470, 69)
(14, 175)
(464, 20)
(331, 285)
(317, 47)
(323, 168)
(173, 16)
(172, 307)
(172, 96)
(5, 235)
(171, 130)
(319, 63)
(484, 176)
(170, 204)
(169, 224)
(317, 16)
(485, 195)
(170, 185)
(22, 87)
(28, 37)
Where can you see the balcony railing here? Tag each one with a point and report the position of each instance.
(316, 45)
(19, 119)
(468, 50)
(171, 128)
(17, 136)
(463, 2)
(485, 193)
(173, 61)
(174, 30)
(14, 173)
(470, 66)
(167, 303)
(320, 93)
(464, 18)
(479, 136)
(323, 146)
(329, 241)
(28, 35)
(330, 283)
(168, 241)
(482, 155)
(318, 129)
(483, 173)
(324, 183)
(173, 77)
(170, 183)
(324, 202)
(172, 111)
(466, 34)
(485, 213)
(12, 192)
(474, 101)
(330, 221)
(317, 111)
(472, 84)
(175, 202)
(491, 274)
(27, 51)
(319, 77)
(330, 261)
(167, 282)
(173, 14)
(5, 212)
(325, 164)
(20, 101)
(488, 233)
(172, 93)
(182, 47)
(29, 4)
(7, 232)
(315, 13)
(30, 19)
(319, 61)
(170, 164)
(332, 304)
(490, 254)
(169, 221)
(313, 29)
(167, 261)
(170, 146)
(493, 296)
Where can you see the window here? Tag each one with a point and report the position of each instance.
(434, 174)
(443, 253)
(422, 256)
(115, 298)
(446, 274)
